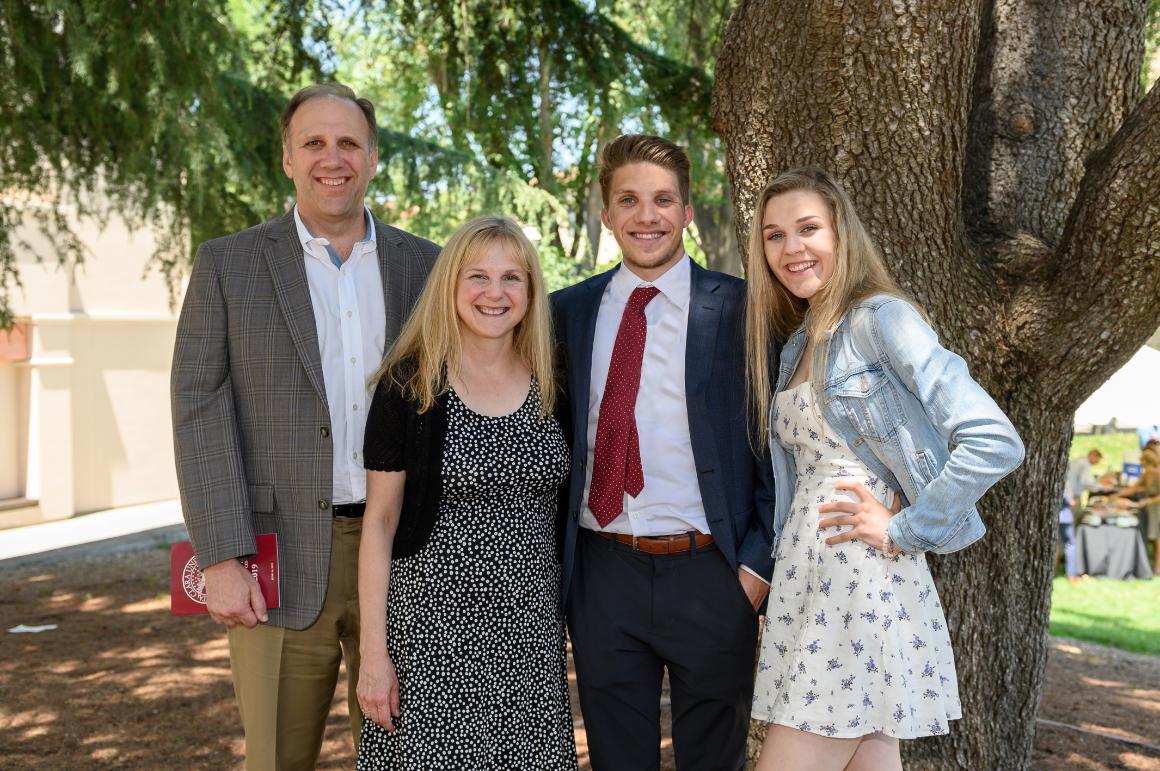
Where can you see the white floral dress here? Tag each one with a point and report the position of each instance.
(854, 643)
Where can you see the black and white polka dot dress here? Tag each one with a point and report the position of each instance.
(474, 623)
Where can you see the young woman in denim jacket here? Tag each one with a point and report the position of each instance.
(881, 444)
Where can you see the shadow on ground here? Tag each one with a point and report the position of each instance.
(122, 684)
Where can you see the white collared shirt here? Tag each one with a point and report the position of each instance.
(671, 499)
(350, 317)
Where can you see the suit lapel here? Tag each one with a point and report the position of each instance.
(582, 332)
(286, 262)
(704, 319)
(393, 273)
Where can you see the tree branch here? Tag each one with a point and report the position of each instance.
(1107, 266)
(1040, 65)
(677, 88)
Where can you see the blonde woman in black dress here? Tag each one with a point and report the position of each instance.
(462, 640)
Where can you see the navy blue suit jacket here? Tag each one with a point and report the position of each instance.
(736, 485)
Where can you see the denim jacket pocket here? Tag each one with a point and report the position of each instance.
(868, 399)
(927, 470)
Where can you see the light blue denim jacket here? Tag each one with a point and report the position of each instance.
(909, 409)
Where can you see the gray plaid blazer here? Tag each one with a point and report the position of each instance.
(250, 422)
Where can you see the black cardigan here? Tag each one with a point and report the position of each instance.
(398, 438)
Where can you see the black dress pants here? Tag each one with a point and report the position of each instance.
(630, 616)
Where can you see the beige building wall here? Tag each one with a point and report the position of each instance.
(122, 438)
(89, 404)
(11, 481)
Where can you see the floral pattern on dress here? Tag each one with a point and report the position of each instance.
(854, 642)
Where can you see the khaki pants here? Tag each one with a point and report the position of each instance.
(284, 679)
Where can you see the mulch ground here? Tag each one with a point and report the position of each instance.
(121, 684)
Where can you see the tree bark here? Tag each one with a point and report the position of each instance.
(718, 237)
(594, 199)
(1000, 155)
(545, 168)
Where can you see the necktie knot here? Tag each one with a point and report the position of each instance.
(642, 296)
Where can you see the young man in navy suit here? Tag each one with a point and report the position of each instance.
(668, 523)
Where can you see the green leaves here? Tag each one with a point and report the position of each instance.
(105, 110)
(166, 112)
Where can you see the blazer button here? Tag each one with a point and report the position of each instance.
(325, 431)
(323, 504)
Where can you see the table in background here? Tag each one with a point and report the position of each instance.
(1112, 551)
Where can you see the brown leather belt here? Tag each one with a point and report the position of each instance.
(660, 544)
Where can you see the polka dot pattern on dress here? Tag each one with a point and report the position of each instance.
(474, 624)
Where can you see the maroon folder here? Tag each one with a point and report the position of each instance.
(187, 584)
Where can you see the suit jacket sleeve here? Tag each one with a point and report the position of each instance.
(756, 549)
(210, 472)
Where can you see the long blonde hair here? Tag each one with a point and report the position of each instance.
(430, 342)
(772, 310)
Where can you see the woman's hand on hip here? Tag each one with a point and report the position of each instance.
(866, 517)
(378, 689)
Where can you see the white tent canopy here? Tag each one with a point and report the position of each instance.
(1131, 397)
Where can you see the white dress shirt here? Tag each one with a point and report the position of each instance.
(671, 500)
(350, 317)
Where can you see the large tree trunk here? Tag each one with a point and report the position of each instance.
(718, 237)
(1002, 158)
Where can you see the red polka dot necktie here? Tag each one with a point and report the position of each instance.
(616, 465)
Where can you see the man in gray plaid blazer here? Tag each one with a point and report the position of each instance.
(282, 326)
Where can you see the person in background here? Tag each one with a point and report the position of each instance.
(281, 327)
(1146, 493)
(881, 444)
(1080, 479)
(463, 658)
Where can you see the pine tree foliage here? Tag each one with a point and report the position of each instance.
(166, 113)
(115, 105)
(530, 91)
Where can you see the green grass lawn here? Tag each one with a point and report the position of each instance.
(1123, 614)
(1113, 446)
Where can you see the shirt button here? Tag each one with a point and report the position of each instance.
(354, 455)
(348, 314)
(353, 359)
(323, 504)
(354, 407)
(324, 431)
